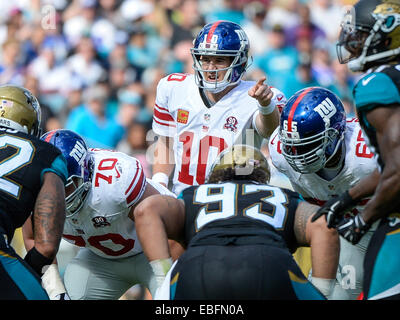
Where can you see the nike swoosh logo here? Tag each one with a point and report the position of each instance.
(365, 81)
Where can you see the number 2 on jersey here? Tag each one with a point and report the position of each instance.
(23, 155)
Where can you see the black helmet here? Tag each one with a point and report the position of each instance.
(370, 34)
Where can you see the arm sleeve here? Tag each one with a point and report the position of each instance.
(163, 122)
(59, 167)
(135, 182)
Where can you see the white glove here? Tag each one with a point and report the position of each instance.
(52, 283)
(160, 268)
(325, 286)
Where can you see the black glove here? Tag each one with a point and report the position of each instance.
(335, 208)
(352, 229)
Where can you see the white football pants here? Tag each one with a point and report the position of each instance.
(91, 277)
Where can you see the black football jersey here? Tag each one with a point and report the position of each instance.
(243, 209)
(23, 159)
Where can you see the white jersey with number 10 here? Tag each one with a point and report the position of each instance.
(201, 133)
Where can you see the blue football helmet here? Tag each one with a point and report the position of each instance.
(312, 126)
(223, 38)
(74, 150)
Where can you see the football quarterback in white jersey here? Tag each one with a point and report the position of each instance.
(323, 154)
(103, 188)
(197, 116)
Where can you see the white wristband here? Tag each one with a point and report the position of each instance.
(51, 281)
(268, 109)
(324, 285)
(160, 269)
(160, 177)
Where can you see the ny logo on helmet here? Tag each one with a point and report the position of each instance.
(326, 109)
(78, 152)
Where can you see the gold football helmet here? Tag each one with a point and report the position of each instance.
(240, 162)
(19, 110)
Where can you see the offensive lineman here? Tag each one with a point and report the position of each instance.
(323, 153)
(103, 188)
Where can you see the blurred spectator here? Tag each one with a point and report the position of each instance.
(129, 105)
(135, 144)
(304, 28)
(349, 107)
(327, 14)
(11, 69)
(322, 64)
(185, 22)
(108, 9)
(84, 64)
(283, 12)
(78, 20)
(343, 82)
(279, 61)
(180, 59)
(143, 51)
(30, 48)
(301, 78)
(231, 10)
(91, 122)
(50, 121)
(255, 13)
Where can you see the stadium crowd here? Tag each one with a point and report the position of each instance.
(94, 65)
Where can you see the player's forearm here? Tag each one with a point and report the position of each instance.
(266, 124)
(163, 157)
(365, 187)
(49, 216)
(151, 232)
(325, 250)
(385, 199)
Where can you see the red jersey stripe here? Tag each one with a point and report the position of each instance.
(293, 110)
(164, 124)
(162, 115)
(137, 191)
(134, 178)
(161, 108)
